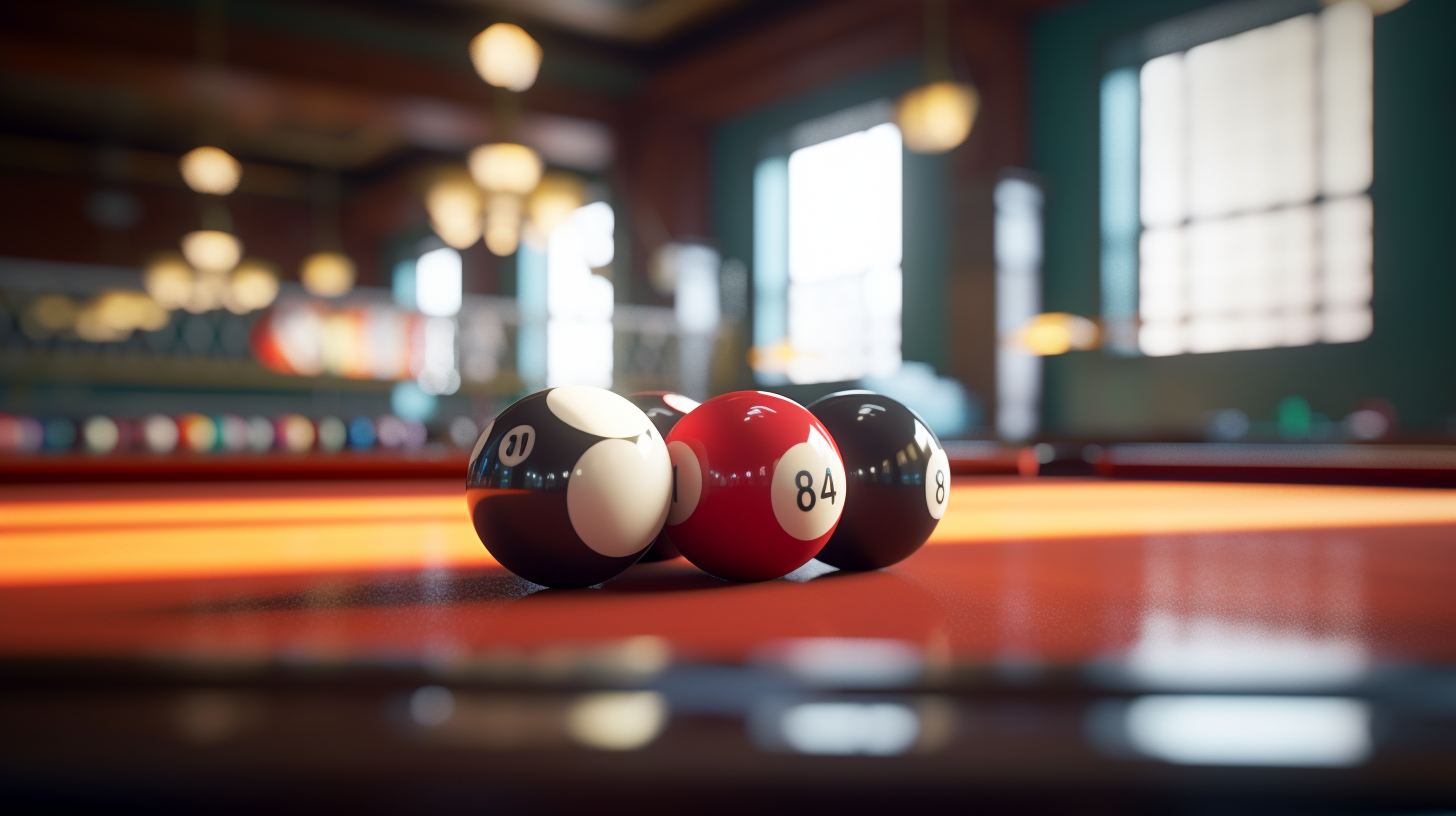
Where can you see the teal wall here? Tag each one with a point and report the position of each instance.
(1410, 359)
(736, 149)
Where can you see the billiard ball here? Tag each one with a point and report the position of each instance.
(897, 484)
(757, 486)
(664, 408)
(568, 486)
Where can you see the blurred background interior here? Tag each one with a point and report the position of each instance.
(239, 225)
(300, 244)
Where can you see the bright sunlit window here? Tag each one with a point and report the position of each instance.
(838, 316)
(579, 301)
(844, 257)
(1253, 165)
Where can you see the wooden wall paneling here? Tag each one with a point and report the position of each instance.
(827, 42)
(991, 46)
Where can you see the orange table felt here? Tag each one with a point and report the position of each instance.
(1055, 571)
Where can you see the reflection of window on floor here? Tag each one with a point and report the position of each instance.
(838, 317)
(1254, 162)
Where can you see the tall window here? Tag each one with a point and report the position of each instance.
(579, 302)
(1252, 215)
(566, 307)
(827, 256)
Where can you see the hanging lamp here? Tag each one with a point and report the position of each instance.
(938, 116)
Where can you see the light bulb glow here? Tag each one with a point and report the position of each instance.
(253, 285)
(937, 117)
(210, 170)
(52, 314)
(506, 56)
(554, 200)
(212, 250)
(168, 279)
(327, 274)
(116, 313)
(129, 309)
(208, 291)
(1056, 333)
(503, 224)
(456, 208)
(506, 168)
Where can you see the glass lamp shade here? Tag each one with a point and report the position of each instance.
(167, 277)
(208, 291)
(252, 286)
(212, 250)
(505, 56)
(51, 314)
(210, 170)
(456, 208)
(503, 224)
(505, 167)
(116, 313)
(327, 274)
(1054, 333)
(937, 117)
(554, 200)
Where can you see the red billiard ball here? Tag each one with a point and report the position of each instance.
(758, 486)
(664, 408)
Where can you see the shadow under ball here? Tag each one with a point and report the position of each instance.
(897, 480)
(664, 408)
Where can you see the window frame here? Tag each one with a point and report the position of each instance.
(1120, 163)
(771, 276)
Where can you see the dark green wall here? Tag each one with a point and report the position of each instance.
(736, 147)
(1411, 357)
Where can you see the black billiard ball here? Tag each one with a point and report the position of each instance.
(664, 408)
(898, 479)
(569, 486)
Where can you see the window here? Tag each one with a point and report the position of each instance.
(566, 308)
(828, 252)
(1018, 230)
(578, 301)
(1236, 172)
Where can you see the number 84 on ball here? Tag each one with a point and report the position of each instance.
(758, 486)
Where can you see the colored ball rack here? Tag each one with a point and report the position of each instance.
(221, 434)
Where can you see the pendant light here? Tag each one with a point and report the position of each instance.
(938, 116)
(456, 207)
(554, 200)
(506, 56)
(507, 172)
(168, 278)
(328, 272)
(210, 170)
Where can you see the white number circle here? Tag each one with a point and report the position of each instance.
(618, 495)
(808, 488)
(687, 482)
(937, 483)
(516, 445)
